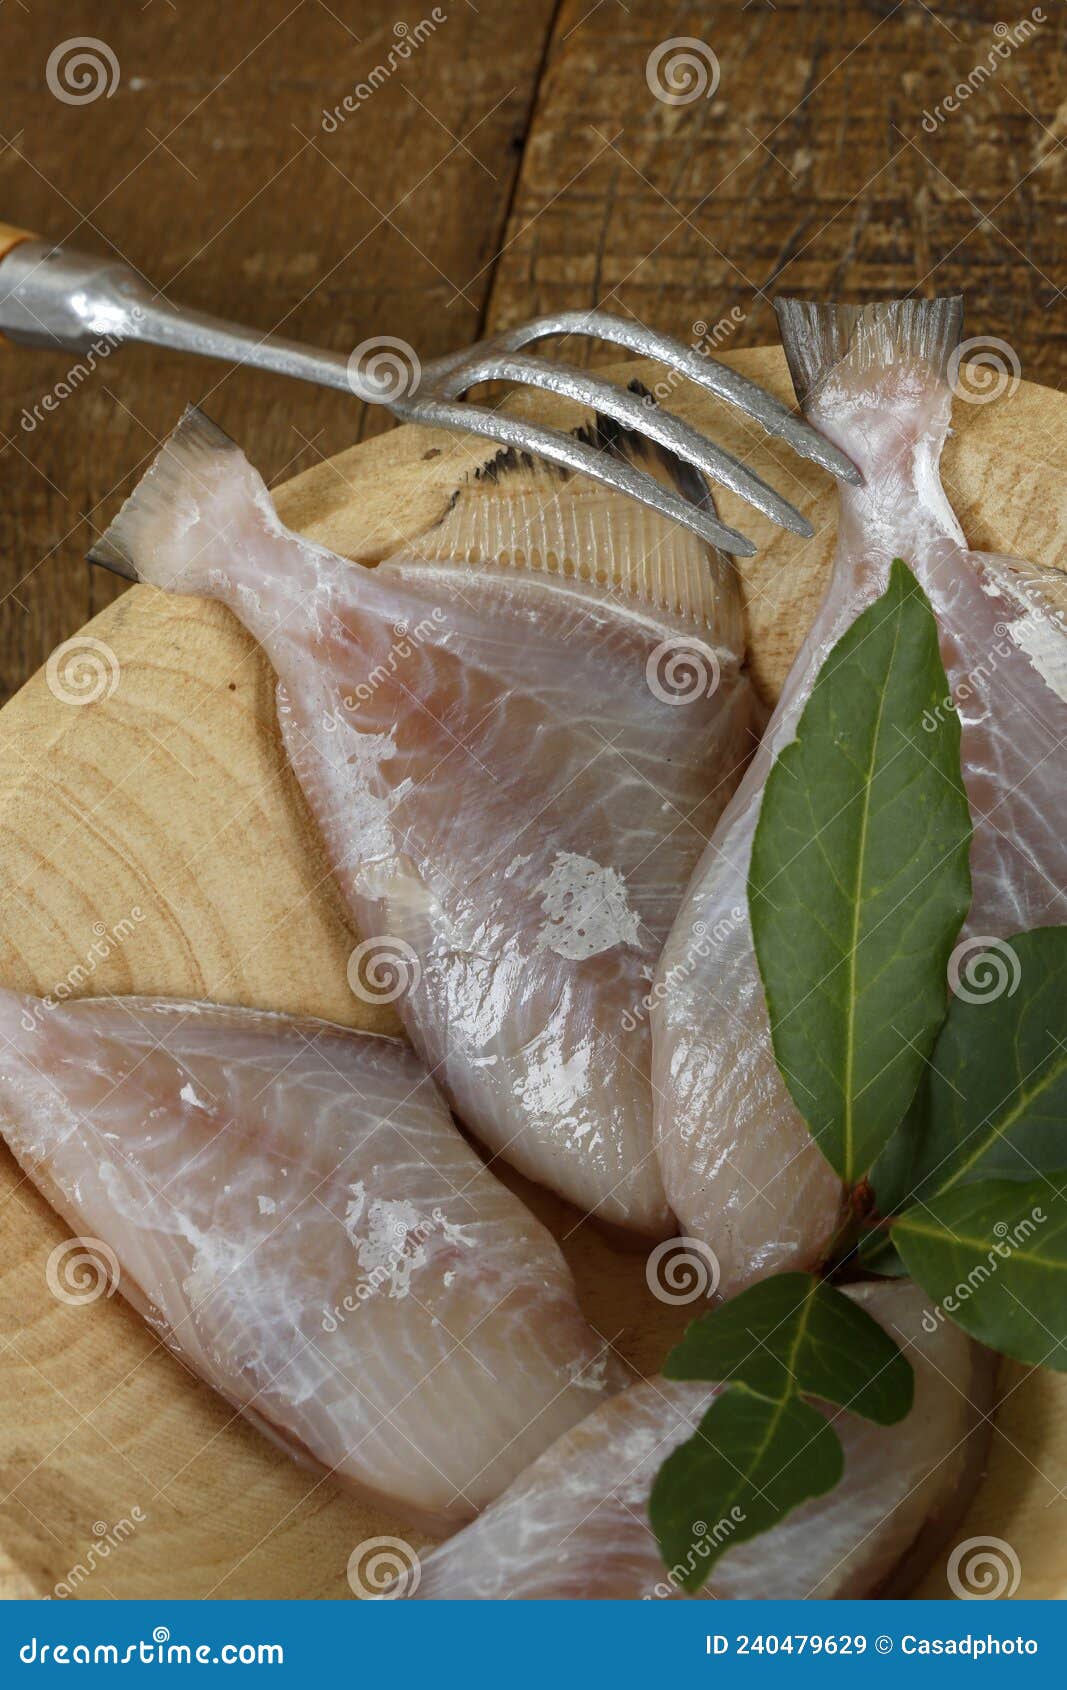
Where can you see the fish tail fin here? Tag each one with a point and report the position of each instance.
(826, 340)
(877, 379)
(185, 517)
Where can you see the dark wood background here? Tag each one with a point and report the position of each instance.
(515, 161)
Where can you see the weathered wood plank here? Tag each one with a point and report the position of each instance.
(211, 169)
(808, 169)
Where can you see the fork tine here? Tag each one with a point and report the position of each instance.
(748, 396)
(643, 417)
(565, 450)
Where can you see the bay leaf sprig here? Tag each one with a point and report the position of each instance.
(761, 1448)
(854, 923)
(794, 1334)
(983, 1228)
(859, 878)
(951, 1113)
(993, 1256)
(994, 1097)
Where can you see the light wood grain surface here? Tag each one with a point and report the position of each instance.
(165, 811)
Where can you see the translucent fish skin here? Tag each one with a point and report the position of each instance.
(510, 807)
(575, 1525)
(294, 1211)
(739, 1166)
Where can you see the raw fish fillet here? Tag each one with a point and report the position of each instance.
(575, 1525)
(294, 1211)
(740, 1168)
(515, 736)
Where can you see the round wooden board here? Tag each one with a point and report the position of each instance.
(154, 841)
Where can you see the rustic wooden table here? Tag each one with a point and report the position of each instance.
(495, 159)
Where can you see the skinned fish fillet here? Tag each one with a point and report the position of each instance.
(293, 1210)
(575, 1525)
(515, 736)
(739, 1166)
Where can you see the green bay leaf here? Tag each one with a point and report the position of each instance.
(859, 878)
(892, 1175)
(795, 1334)
(750, 1461)
(876, 1253)
(992, 1256)
(994, 1103)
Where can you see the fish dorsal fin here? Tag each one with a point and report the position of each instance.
(524, 516)
(1039, 596)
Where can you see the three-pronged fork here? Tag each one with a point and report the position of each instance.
(54, 296)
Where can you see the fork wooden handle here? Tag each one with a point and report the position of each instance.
(10, 236)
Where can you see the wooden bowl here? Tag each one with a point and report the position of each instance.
(154, 841)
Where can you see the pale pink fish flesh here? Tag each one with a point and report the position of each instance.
(294, 1211)
(739, 1166)
(575, 1525)
(516, 736)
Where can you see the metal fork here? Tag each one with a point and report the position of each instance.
(59, 297)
